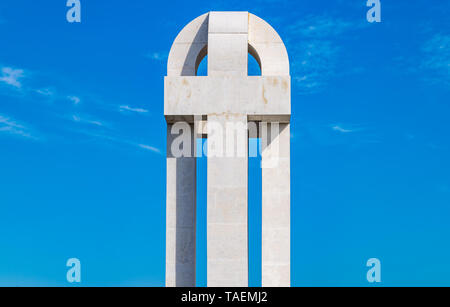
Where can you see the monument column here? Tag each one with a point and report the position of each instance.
(275, 163)
(180, 207)
(227, 237)
(228, 99)
(227, 234)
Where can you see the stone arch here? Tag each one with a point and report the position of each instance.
(264, 44)
(187, 46)
(268, 46)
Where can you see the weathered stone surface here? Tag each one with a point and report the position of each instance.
(267, 97)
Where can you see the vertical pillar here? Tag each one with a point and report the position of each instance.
(227, 238)
(227, 221)
(275, 160)
(228, 44)
(180, 208)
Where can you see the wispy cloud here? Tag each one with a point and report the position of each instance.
(436, 58)
(12, 127)
(315, 50)
(45, 92)
(320, 26)
(338, 134)
(341, 129)
(111, 138)
(132, 109)
(90, 126)
(151, 148)
(157, 56)
(314, 64)
(12, 76)
(86, 120)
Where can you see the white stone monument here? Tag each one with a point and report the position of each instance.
(196, 106)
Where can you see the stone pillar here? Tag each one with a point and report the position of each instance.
(227, 220)
(180, 212)
(228, 44)
(275, 163)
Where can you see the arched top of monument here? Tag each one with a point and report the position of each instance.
(264, 44)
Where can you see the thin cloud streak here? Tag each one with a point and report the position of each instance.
(151, 148)
(348, 135)
(12, 127)
(78, 119)
(340, 129)
(117, 140)
(131, 109)
(45, 92)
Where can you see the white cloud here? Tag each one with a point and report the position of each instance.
(12, 76)
(130, 109)
(12, 127)
(74, 99)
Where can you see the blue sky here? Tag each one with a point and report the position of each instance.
(82, 141)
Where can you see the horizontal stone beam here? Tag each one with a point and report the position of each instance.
(260, 98)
